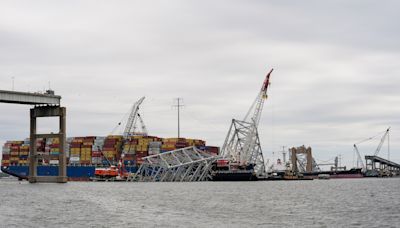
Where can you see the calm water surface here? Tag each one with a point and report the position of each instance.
(318, 203)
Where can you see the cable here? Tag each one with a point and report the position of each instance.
(119, 123)
(370, 138)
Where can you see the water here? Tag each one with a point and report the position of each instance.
(318, 203)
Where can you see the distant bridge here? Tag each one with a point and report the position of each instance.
(378, 166)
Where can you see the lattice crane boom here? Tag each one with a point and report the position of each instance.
(359, 159)
(144, 129)
(242, 143)
(258, 104)
(378, 149)
(130, 125)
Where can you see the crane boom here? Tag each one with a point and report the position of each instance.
(144, 129)
(258, 104)
(130, 125)
(359, 159)
(378, 149)
(242, 144)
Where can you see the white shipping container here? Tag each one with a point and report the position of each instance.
(53, 162)
(155, 144)
(97, 147)
(153, 151)
(129, 152)
(96, 160)
(74, 159)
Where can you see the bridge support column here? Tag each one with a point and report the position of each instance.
(47, 111)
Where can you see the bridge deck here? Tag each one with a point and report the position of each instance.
(28, 98)
(382, 161)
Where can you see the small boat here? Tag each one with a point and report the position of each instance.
(324, 176)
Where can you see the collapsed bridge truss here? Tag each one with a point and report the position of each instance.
(181, 165)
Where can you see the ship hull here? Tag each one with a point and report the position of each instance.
(352, 173)
(234, 176)
(74, 173)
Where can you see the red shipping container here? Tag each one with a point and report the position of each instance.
(89, 138)
(96, 154)
(129, 157)
(133, 141)
(75, 145)
(54, 145)
(213, 149)
(141, 155)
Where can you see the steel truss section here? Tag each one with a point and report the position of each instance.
(302, 163)
(242, 145)
(182, 165)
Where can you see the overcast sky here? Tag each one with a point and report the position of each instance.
(335, 81)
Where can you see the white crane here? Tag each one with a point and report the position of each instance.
(242, 144)
(378, 149)
(360, 162)
(131, 125)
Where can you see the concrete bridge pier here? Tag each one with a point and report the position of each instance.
(47, 111)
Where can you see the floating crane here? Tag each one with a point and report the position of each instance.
(360, 162)
(242, 145)
(134, 117)
(118, 172)
(386, 135)
(241, 153)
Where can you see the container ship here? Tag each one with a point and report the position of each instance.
(86, 154)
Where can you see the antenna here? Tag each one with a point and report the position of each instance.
(49, 85)
(178, 105)
(388, 146)
(13, 79)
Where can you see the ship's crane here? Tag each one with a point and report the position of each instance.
(242, 144)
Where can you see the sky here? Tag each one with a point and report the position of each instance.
(335, 80)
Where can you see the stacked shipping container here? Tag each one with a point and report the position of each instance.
(112, 147)
(91, 150)
(75, 149)
(98, 143)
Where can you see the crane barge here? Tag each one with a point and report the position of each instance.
(242, 157)
(119, 172)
